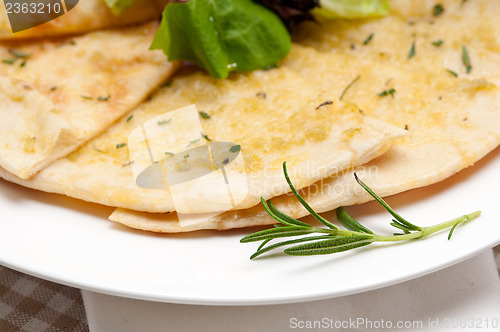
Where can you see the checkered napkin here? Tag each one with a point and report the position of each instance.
(35, 305)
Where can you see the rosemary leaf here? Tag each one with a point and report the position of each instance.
(401, 227)
(284, 217)
(304, 203)
(262, 250)
(325, 247)
(386, 206)
(349, 223)
(262, 245)
(273, 215)
(274, 233)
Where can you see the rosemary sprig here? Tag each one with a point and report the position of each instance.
(323, 241)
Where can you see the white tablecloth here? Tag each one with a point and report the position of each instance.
(463, 297)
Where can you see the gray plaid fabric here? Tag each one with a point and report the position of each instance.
(35, 305)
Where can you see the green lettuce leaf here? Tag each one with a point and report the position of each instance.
(222, 35)
(117, 6)
(352, 9)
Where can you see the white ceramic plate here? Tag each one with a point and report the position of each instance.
(73, 243)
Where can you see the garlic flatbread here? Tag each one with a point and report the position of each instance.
(272, 115)
(448, 102)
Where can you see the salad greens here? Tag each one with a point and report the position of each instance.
(291, 12)
(222, 36)
(352, 9)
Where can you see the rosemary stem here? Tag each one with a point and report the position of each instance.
(428, 230)
(328, 231)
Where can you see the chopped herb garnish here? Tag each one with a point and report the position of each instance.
(193, 142)
(87, 97)
(387, 92)
(349, 86)
(206, 137)
(166, 84)
(369, 39)
(121, 145)
(235, 148)
(101, 98)
(162, 122)
(9, 61)
(97, 149)
(169, 153)
(466, 60)
(452, 72)
(22, 64)
(412, 51)
(438, 42)
(186, 156)
(328, 102)
(204, 115)
(130, 118)
(437, 10)
(19, 54)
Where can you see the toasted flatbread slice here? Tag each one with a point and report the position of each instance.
(437, 41)
(87, 15)
(55, 95)
(272, 115)
(452, 121)
(453, 127)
